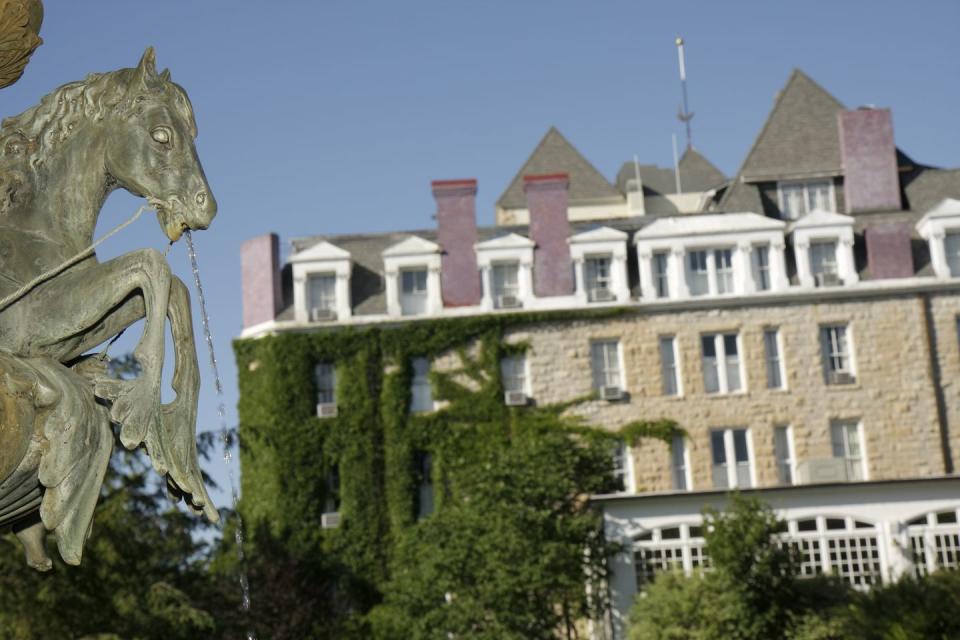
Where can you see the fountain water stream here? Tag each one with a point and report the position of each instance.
(224, 431)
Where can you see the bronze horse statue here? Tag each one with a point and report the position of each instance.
(132, 129)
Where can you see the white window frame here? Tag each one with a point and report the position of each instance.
(501, 287)
(671, 371)
(786, 463)
(760, 270)
(840, 435)
(510, 248)
(723, 382)
(831, 350)
(419, 298)
(412, 254)
(322, 259)
(721, 280)
(774, 362)
(680, 453)
(934, 227)
(604, 368)
(660, 265)
(805, 194)
(730, 454)
(508, 368)
(934, 545)
(622, 466)
(824, 227)
(420, 383)
(818, 545)
(323, 372)
(601, 242)
(592, 280)
(952, 257)
(686, 552)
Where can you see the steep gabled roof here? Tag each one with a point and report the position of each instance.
(697, 174)
(555, 154)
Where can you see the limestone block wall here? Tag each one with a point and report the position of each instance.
(945, 312)
(893, 397)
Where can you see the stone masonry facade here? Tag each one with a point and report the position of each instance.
(894, 397)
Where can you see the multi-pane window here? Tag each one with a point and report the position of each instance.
(771, 350)
(325, 377)
(672, 548)
(513, 371)
(837, 357)
(842, 546)
(710, 271)
(322, 295)
(506, 285)
(421, 393)
(823, 263)
(423, 468)
(598, 281)
(605, 360)
(730, 449)
(845, 437)
(935, 542)
(678, 462)
(661, 278)
(721, 363)
(620, 466)
(951, 245)
(783, 451)
(800, 198)
(413, 291)
(669, 372)
(761, 268)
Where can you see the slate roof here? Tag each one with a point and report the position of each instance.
(555, 154)
(696, 174)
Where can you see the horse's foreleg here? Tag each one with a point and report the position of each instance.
(178, 437)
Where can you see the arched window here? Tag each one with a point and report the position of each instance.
(844, 546)
(935, 541)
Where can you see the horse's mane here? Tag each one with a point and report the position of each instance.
(28, 139)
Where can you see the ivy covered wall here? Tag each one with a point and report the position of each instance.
(287, 452)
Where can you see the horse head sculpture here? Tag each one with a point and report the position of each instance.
(131, 129)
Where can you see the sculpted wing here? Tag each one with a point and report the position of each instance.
(19, 28)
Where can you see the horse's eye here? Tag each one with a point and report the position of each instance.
(161, 135)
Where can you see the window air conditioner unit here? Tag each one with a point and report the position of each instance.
(602, 295)
(841, 377)
(330, 520)
(322, 315)
(515, 398)
(326, 410)
(508, 302)
(611, 393)
(827, 280)
(821, 470)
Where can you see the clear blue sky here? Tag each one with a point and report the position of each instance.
(333, 116)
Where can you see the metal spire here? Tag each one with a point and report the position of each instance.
(683, 113)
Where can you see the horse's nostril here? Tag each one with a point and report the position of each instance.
(202, 198)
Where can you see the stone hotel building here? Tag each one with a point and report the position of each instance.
(800, 321)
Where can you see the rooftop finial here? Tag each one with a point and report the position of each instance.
(684, 114)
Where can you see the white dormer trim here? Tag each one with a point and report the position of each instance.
(322, 258)
(412, 252)
(934, 227)
(601, 242)
(824, 226)
(511, 247)
(741, 232)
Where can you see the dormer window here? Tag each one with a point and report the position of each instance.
(321, 277)
(600, 265)
(823, 263)
(940, 227)
(506, 271)
(322, 296)
(823, 244)
(506, 285)
(710, 271)
(800, 198)
(951, 245)
(412, 277)
(413, 291)
(761, 267)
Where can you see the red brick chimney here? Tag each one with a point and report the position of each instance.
(870, 179)
(456, 235)
(547, 198)
(889, 254)
(260, 279)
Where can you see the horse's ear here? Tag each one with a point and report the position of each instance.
(165, 75)
(147, 69)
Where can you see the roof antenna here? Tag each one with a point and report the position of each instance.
(684, 114)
